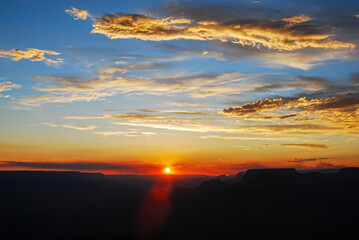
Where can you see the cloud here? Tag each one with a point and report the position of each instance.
(330, 165)
(305, 145)
(7, 86)
(210, 125)
(349, 140)
(32, 54)
(342, 104)
(288, 116)
(334, 115)
(129, 133)
(270, 118)
(337, 24)
(258, 106)
(297, 19)
(183, 112)
(183, 104)
(227, 51)
(81, 127)
(144, 117)
(354, 78)
(300, 82)
(275, 35)
(72, 88)
(299, 160)
(163, 121)
(77, 13)
(126, 78)
(238, 137)
(294, 129)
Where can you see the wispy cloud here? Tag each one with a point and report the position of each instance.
(73, 88)
(239, 137)
(213, 124)
(80, 127)
(78, 14)
(32, 54)
(7, 86)
(183, 112)
(129, 133)
(183, 104)
(121, 79)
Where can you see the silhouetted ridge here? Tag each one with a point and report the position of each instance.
(278, 204)
(349, 170)
(211, 184)
(269, 176)
(49, 174)
(281, 171)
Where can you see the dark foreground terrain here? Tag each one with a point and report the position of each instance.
(260, 204)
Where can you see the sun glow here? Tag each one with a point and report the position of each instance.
(167, 170)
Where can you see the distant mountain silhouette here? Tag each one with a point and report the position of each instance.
(270, 204)
(259, 204)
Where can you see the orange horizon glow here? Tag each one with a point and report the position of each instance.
(184, 168)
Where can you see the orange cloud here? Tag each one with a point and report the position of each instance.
(346, 103)
(297, 19)
(32, 54)
(257, 35)
(77, 13)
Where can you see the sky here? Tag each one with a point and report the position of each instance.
(201, 87)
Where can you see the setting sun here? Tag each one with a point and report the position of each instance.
(167, 170)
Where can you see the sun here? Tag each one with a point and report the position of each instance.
(167, 170)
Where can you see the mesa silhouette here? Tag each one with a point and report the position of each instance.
(257, 204)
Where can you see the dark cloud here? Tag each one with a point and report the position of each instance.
(306, 145)
(259, 117)
(258, 106)
(75, 166)
(221, 12)
(354, 78)
(298, 160)
(288, 116)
